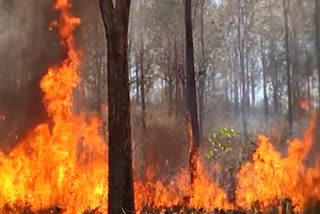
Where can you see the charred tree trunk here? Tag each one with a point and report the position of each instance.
(121, 193)
(288, 62)
(317, 40)
(191, 96)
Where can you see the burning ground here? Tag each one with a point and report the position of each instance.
(64, 168)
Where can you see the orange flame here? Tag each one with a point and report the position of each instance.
(66, 166)
(207, 194)
(272, 177)
(304, 104)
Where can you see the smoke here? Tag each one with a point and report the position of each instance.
(27, 49)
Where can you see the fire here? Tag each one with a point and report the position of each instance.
(271, 177)
(206, 194)
(2, 117)
(65, 164)
(304, 104)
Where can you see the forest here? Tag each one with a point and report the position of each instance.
(160, 106)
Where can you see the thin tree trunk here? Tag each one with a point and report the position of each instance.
(142, 86)
(253, 86)
(137, 76)
(98, 86)
(275, 86)
(246, 51)
(202, 81)
(308, 68)
(177, 79)
(285, 13)
(241, 44)
(309, 92)
(170, 81)
(235, 86)
(191, 97)
(264, 79)
(120, 179)
(247, 73)
(317, 39)
(295, 82)
(201, 104)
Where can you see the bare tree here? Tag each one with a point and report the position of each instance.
(116, 20)
(142, 84)
(288, 62)
(275, 82)
(264, 80)
(317, 38)
(137, 68)
(202, 79)
(191, 96)
(177, 79)
(241, 34)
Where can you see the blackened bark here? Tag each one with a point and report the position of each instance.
(191, 96)
(121, 194)
(288, 62)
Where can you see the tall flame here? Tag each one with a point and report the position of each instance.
(64, 166)
(271, 177)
